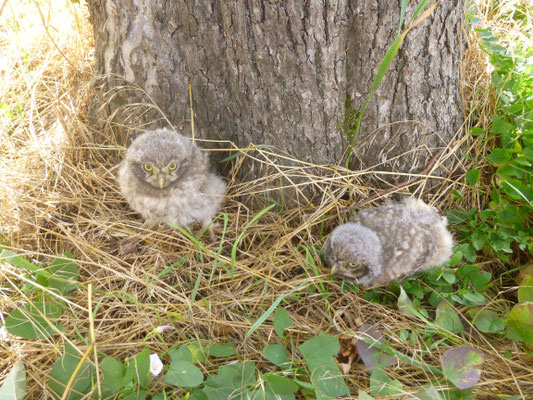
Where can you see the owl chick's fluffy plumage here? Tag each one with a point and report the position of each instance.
(165, 177)
(390, 242)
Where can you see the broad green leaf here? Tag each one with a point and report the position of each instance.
(472, 176)
(138, 368)
(198, 394)
(525, 291)
(231, 381)
(487, 321)
(181, 354)
(457, 194)
(406, 305)
(520, 323)
(14, 385)
(280, 385)
(363, 396)
(477, 131)
(62, 371)
(321, 346)
(183, 374)
(499, 156)
(328, 379)
(499, 125)
(221, 350)
(381, 384)
(64, 274)
(468, 251)
(113, 375)
(462, 366)
(428, 393)
(140, 395)
(196, 353)
(471, 273)
(448, 319)
(378, 382)
(277, 355)
(27, 321)
(281, 321)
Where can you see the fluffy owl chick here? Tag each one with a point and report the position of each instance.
(390, 242)
(165, 178)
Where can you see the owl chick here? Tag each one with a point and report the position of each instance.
(165, 178)
(390, 242)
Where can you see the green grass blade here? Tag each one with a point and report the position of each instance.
(402, 15)
(265, 315)
(419, 8)
(238, 240)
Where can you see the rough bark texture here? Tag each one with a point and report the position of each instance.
(279, 73)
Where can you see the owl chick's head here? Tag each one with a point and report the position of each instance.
(353, 251)
(160, 158)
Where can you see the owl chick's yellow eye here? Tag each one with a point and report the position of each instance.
(172, 166)
(353, 265)
(147, 167)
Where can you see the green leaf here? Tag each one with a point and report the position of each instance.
(281, 321)
(280, 385)
(221, 350)
(448, 319)
(140, 395)
(321, 346)
(62, 371)
(183, 374)
(487, 321)
(181, 354)
(18, 261)
(457, 194)
(64, 274)
(196, 353)
(326, 377)
(520, 323)
(113, 375)
(468, 251)
(499, 125)
(231, 381)
(363, 396)
(525, 291)
(406, 305)
(277, 355)
(28, 321)
(138, 368)
(477, 131)
(472, 176)
(14, 385)
(461, 366)
(499, 156)
(270, 309)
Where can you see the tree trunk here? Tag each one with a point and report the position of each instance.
(281, 74)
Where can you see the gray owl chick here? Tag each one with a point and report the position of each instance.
(390, 242)
(165, 177)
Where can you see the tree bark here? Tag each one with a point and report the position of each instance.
(281, 73)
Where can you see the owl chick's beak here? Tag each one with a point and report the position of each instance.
(347, 271)
(161, 180)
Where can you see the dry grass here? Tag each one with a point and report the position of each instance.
(60, 194)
